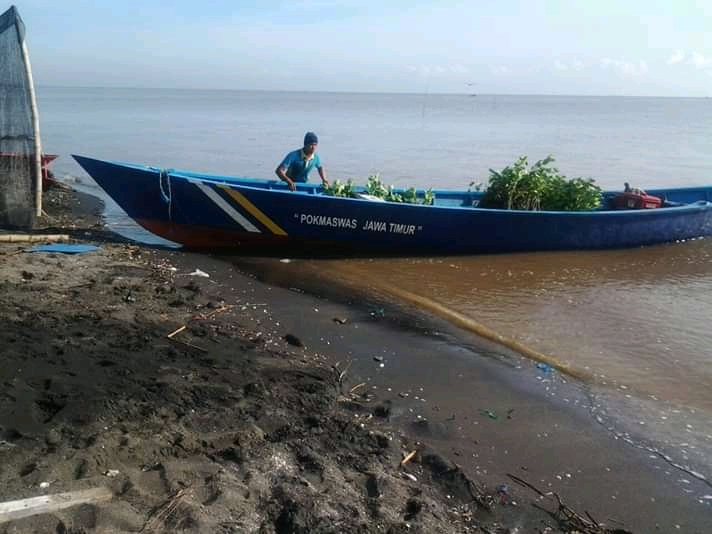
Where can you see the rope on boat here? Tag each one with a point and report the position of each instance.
(166, 193)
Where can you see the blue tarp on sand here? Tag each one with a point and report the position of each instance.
(64, 248)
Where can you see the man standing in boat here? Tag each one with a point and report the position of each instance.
(297, 165)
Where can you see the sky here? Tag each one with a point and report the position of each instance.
(580, 47)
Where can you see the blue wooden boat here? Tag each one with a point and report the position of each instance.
(253, 216)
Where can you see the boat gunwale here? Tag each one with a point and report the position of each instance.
(274, 186)
(312, 190)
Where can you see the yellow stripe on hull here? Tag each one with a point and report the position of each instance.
(253, 210)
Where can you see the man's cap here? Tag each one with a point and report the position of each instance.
(310, 139)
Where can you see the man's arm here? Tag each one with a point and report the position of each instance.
(322, 175)
(281, 171)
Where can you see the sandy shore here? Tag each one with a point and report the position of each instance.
(271, 411)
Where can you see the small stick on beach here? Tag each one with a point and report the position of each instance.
(408, 457)
(176, 331)
(156, 520)
(357, 386)
(585, 525)
(525, 484)
(203, 317)
(340, 374)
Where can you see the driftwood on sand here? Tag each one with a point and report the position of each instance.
(12, 510)
(32, 238)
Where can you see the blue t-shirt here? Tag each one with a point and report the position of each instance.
(298, 167)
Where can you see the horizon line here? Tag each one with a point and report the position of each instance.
(440, 93)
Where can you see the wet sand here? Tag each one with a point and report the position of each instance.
(277, 411)
(497, 413)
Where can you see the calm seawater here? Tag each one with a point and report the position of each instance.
(637, 321)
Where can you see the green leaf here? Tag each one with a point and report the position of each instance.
(539, 187)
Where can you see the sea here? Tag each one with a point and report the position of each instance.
(636, 324)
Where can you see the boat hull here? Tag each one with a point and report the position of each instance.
(213, 212)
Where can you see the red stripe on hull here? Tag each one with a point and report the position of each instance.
(206, 237)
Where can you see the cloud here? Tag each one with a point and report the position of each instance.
(698, 60)
(499, 69)
(677, 57)
(695, 59)
(626, 68)
(575, 64)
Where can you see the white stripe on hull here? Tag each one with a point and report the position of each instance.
(227, 208)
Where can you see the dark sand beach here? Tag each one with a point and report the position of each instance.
(224, 403)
